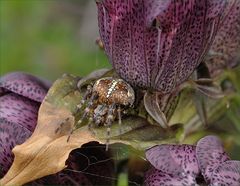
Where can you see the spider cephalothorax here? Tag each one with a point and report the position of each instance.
(106, 100)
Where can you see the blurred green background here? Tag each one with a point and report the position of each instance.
(49, 37)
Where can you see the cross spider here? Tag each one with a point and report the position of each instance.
(105, 101)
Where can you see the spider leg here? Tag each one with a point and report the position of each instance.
(90, 121)
(89, 107)
(85, 96)
(99, 114)
(85, 113)
(119, 119)
(109, 121)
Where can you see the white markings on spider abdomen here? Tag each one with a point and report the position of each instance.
(112, 88)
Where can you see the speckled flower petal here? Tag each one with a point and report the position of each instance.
(225, 50)
(228, 173)
(25, 85)
(18, 118)
(169, 13)
(157, 44)
(10, 136)
(174, 159)
(154, 177)
(19, 110)
(210, 154)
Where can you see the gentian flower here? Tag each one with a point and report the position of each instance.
(192, 165)
(157, 44)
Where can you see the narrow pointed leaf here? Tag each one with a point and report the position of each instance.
(208, 88)
(151, 104)
(201, 107)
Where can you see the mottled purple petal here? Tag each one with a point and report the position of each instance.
(157, 44)
(25, 85)
(154, 177)
(11, 135)
(228, 173)
(225, 50)
(174, 159)
(19, 110)
(215, 8)
(210, 154)
(18, 118)
(168, 13)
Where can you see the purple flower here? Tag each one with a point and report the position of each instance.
(189, 165)
(225, 50)
(157, 44)
(20, 97)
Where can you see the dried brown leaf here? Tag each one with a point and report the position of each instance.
(45, 152)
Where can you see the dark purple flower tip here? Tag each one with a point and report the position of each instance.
(155, 177)
(227, 173)
(25, 85)
(157, 44)
(210, 154)
(174, 159)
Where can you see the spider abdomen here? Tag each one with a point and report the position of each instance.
(114, 91)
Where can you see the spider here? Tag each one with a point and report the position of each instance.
(105, 101)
